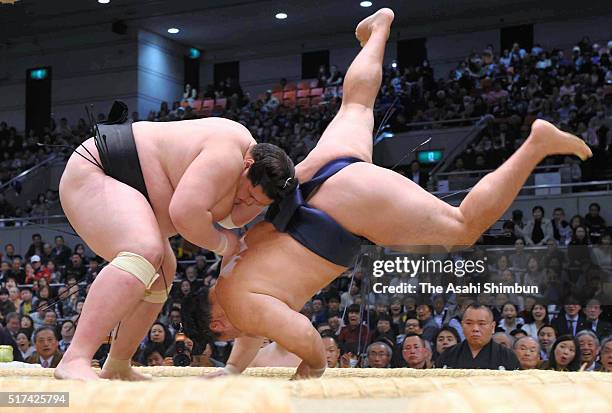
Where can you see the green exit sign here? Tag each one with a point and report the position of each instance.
(429, 157)
(39, 74)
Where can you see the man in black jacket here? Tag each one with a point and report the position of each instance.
(570, 320)
(478, 350)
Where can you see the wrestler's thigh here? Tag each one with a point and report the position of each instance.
(109, 215)
(400, 212)
(348, 134)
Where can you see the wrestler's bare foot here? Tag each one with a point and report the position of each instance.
(556, 142)
(383, 18)
(128, 374)
(76, 369)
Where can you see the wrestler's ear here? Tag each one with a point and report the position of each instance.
(248, 162)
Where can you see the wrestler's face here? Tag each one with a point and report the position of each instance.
(219, 323)
(247, 193)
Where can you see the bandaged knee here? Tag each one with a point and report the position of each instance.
(157, 296)
(136, 265)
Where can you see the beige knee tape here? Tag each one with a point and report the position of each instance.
(157, 296)
(136, 265)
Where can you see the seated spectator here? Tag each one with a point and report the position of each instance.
(23, 343)
(538, 318)
(6, 339)
(509, 319)
(383, 329)
(40, 271)
(546, 337)
(538, 230)
(416, 352)
(36, 247)
(332, 351)
(76, 268)
(519, 259)
(38, 316)
(27, 304)
(562, 232)
(153, 354)
(478, 351)
(601, 328)
(319, 311)
(379, 355)
(605, 355)
(270, 102)
(589, 349)
(570, 320)
(503, 339)
(67, 332)
(602, 253)
(6, 306)
(527, 350)
(355, 336)
(446, 338)
(335, 77)
(27, 325)
(595, 223)
(158, 333)
(564, 355)
(425, 316)
(50, 319)
(47, 353)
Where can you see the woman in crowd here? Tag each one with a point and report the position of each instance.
(538, 318)
(564, 355)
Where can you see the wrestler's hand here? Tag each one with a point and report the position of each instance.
(226, 371)
(304, 371)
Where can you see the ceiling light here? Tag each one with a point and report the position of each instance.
(281, 16)
(103, 1)
(365, 4)
(173, 30)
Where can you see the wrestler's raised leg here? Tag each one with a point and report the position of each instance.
(350, 132)
(411, 216)
(136, 325)
(110, 217)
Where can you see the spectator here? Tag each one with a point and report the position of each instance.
(23, 343)
(589, 349)
(383, 329)
(595, 223)
(478, 350)
(40, 271)
(379, 355)
(539, 230)
(47, 353)
(546, 336)
(67, 333)
(36, 248)
(6, 306)
(75, 268)
(503, 339)
(417, 176)
(430, 328)
(38, 316)
(13, 324)
(606, 355)
(356, 335)
(319, 310)
(562, 232)
(527, 350)
(415, 352)
(519, 259)
(270, 102)
(332, 351)
(602, 253)
(27, 325)
(509, 319)
(570, 321)
(564, 355)
(60, 253)
(6, 339)
(27, 304)
(538, 318)
(447, 337)
(593, 311)
(159, 334)
(153, 354)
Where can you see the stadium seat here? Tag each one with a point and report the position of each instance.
(196, 105)
(303, 93)
(317, 91)
(220, 104)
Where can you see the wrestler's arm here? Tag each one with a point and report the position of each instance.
(202, 185)
(290, 329)
(242, 214)
(243, 352)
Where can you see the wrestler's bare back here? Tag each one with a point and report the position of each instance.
(167, 149)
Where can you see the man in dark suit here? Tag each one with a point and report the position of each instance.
(61, 253)
(600, 327)
(417, 175)
(570, 320)
(6, 339)
(47, 352)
